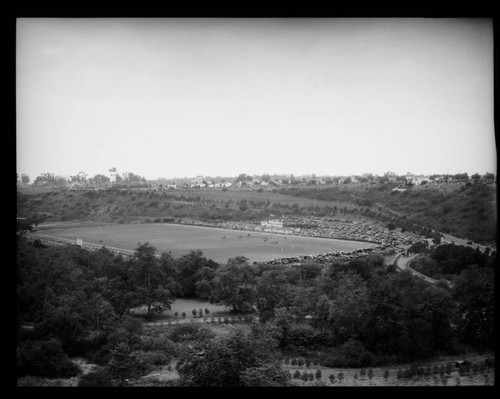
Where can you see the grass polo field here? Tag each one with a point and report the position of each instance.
(217, 244)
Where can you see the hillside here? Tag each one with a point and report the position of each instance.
(466, 211)
(124, 206)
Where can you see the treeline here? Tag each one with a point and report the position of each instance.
(348, 314)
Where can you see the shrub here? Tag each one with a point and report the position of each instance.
(44, 359)
(125, 364)
(370, 373)
(350, 354)
(386, 374)
(160, 343)
(183, 332)
(299, 335)
(148, 360)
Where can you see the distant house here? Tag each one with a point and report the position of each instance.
(416, 180)
(272, 224)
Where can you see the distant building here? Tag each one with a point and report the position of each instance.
(416, 180)
(272, 224)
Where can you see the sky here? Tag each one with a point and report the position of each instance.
(179, 97)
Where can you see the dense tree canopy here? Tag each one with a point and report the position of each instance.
(235, 285)
(190, 271)
(236, 359)
(354, 312)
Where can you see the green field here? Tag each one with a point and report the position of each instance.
(180, 239)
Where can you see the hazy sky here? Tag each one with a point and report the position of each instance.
(186, 97)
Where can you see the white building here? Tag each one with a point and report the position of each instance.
(416, 180)
(272, 224)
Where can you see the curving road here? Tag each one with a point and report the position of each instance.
(403, 263)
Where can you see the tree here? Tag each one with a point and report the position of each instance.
(99, 179)
(418, 247)
(152, 286)
(45, 359)
(489, 176)
(192, 275)
(124, 363)
(235, 285)
(243, 177)
(25, 179)
(348, 305)
(273, 291)
(204, 284)
(28, 224)
(407, 317)
(45, 179)
(370, 373)
(474, 292)
(235, 359)
(80, 178)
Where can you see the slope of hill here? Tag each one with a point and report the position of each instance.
(467, 211)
